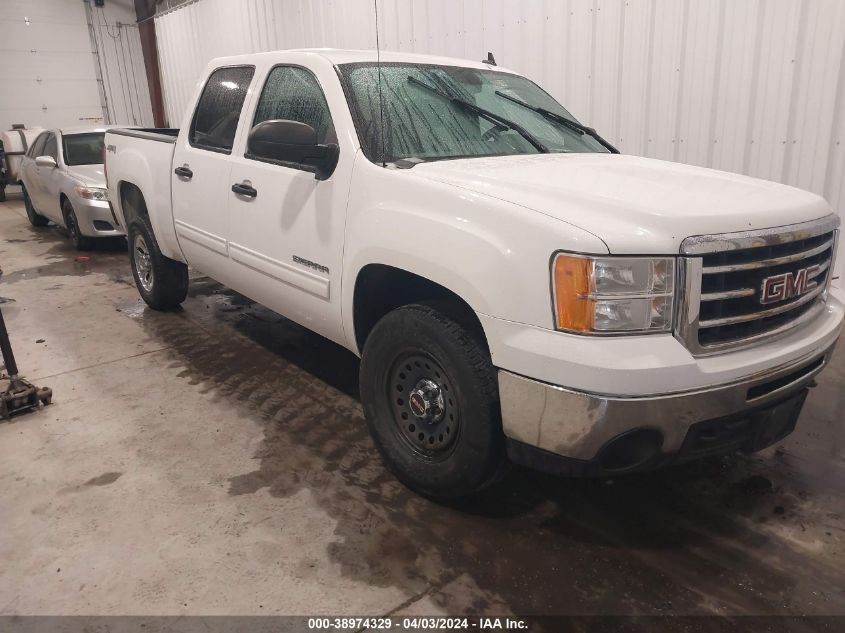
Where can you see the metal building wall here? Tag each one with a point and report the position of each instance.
(751, 86)
(121, 62)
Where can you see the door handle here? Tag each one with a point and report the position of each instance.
(184, 172)
(244, 189)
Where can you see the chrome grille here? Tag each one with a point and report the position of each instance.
(724, 282)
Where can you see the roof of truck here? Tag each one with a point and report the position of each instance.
(349, 56)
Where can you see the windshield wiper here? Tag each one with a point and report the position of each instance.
(554, 116)
(492, 117)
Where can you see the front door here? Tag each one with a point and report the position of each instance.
(50, 179)
(42, 181)
(287, 238)
(201, 164)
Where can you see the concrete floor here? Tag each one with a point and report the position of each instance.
(215, 461)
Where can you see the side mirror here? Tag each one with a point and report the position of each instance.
(292, 142)
(45, 161)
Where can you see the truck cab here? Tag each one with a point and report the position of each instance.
(518, 290)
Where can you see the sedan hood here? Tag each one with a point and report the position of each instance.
(89, 175)
(635, 205)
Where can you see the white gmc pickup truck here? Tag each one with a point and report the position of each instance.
(517, 289)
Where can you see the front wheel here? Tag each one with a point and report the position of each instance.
(162, 282)
(82, 242)
(431, 401)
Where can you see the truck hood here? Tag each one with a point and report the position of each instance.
(635, 205)
(88, 175)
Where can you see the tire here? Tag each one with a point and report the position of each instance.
(82, 242)
(431, 401)
(34, 218)
(162, 282)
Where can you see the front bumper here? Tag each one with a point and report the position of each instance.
(581, 425)
(95, 218)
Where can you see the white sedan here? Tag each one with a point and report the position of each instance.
(63, 180)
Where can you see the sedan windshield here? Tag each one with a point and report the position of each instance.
(436, 112)
(83, 149)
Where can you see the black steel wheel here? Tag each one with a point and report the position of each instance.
(35, 219)
(425, 413)
(431, 400)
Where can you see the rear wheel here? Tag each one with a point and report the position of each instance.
(431, 401)
(82, 242)
(162, 282)
(32, 215)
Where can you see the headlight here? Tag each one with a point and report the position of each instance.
(91, 193)
(613, 294)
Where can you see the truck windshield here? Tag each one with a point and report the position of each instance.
(83, 149)
(434, 112)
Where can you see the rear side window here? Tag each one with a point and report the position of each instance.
(293, 94)
(37, 148)
(51, 148)
(83, 149)
(219, 108)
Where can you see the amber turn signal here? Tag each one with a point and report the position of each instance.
(571, 278)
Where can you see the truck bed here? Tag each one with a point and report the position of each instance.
(142, 158)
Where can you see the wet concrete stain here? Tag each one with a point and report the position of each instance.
(103, 480)
(724, 536)
(62, 259)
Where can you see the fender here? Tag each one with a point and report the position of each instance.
(493, 254)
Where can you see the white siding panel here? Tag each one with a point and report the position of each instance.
(122, 63)
(750, 86)
(49, 70)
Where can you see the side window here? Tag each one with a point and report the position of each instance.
(219, 108)
(37, 148)
(51, 147)
(293, 94)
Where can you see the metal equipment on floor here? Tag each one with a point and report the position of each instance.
(19, 395)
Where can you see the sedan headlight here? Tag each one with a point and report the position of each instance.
(91, 193)
(613, 294)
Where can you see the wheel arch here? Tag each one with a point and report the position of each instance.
(63, 197)
(132, 202)
(381, 288)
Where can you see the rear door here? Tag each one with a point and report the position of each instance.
(201, 164)
(29, 173)
(287, 239)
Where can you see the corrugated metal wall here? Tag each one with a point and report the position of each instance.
(121, 61)
(751, 86)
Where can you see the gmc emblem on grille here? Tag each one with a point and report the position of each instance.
(788, 285)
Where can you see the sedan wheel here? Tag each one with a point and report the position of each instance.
(82, 242)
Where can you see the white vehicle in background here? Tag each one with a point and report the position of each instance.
(63, 181)
(516, 288)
